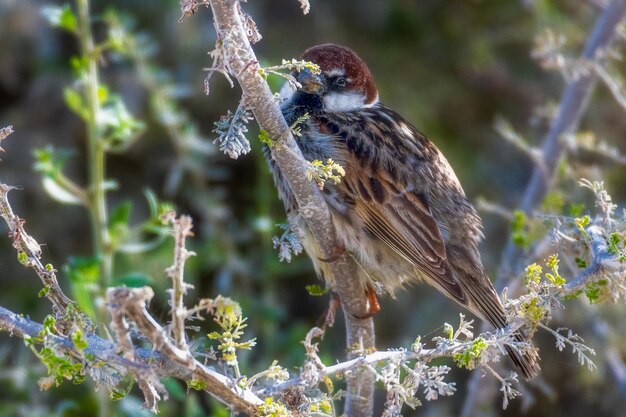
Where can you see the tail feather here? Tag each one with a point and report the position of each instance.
(526, 362)
(484, 302)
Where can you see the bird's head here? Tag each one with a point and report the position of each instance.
(344, 84)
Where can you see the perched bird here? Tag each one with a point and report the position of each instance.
(400, 209)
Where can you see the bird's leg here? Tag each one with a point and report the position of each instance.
(328, 319)
(338, 250)
(373, 306)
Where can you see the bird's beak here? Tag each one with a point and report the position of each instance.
(311, 83)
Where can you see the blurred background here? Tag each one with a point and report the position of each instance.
(449, 67)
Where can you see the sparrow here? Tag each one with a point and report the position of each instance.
(399, 210)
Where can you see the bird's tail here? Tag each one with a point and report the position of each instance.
(484, 302)
(527, 362)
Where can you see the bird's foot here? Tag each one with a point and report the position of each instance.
(338, 250)
(373, 306)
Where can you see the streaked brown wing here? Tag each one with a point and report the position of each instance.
(403, 221)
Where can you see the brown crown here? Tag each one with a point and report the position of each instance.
(330, 57)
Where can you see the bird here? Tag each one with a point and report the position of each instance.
(399, 210)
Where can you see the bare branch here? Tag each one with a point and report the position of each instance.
(506, 131)
(4, 133)
(182, 229)
(133, 302)
(188, 8)
(305, 6)
(105, 352)
(29, 254)
(486, 206)
(603, 262)
(147, 379)
(615, 86)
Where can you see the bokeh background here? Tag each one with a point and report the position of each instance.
(449, 67)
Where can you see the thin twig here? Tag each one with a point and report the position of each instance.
(147, 379)
(181, 230)
(612, 84)
(105, 352)
(602, 261)
(133, 301)
(29, 254)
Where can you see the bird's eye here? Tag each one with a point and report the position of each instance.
(340, 82)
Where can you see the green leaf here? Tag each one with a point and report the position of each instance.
(264, 137)
(157, 209)
(616, 245)
(575, 210)
(467, 358)
(582, 223)
(121, 213)
(553, 202)
(83, 273)
(174, 389)
(519, 229)
(533, 274)
(79, 340)
(22, 257)
(103, 93)
(119, 392)
(118, 223)
(122, 127)
(76, 102)
(214, 335)
(83, 269)
(49, 160)
(197, 384)
(316, 290)
(49, 323)
(61, 17)
(58, 192)
(80, 65)
(596, 291)
(133, 280)
(44, 291)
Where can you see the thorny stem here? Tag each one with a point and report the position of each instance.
(242, 63)
(133, 302)
(561, 337)
(96, 163)
(96, 149)
(106, 352)
(602, 260)
(26, 245)
(181, 230)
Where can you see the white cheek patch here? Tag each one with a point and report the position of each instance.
(340, 102)
(373, 103)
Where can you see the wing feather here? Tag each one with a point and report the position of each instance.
(403, 221)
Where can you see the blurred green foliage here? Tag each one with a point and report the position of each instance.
(449, 67)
